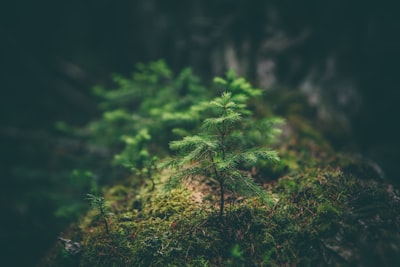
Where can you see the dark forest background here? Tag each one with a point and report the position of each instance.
(343, 55)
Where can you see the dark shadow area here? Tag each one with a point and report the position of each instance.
(342, 54)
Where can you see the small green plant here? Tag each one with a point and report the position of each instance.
(136, 155)
(99, 203)
(221, 151)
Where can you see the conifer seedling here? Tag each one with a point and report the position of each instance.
(99, 203)
(221, 149)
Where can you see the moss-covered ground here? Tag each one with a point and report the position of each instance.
(327, 209)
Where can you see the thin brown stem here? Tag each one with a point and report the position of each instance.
(222, 197)
(221, 185)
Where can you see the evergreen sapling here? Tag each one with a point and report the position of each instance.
(99, 203)
(220, 150)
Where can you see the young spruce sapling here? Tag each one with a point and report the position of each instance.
(221, 149)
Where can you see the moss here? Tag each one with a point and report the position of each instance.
(176, 202)
(313, 222)
(106, 250)
(326, 219)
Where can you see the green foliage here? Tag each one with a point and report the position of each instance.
(222, 150)
(143, 113)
